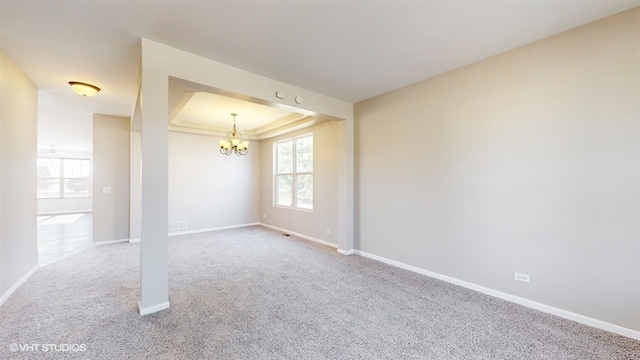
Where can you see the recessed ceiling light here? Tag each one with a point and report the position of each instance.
(84, 89)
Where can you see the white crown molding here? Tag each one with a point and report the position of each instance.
(263, 133)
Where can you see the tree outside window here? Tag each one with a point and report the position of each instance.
(294, 172)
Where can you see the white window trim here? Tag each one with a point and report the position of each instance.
(294, 174)
(62, 179)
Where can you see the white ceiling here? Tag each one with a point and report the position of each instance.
(206, 109)
(349, 50)
(64, 130)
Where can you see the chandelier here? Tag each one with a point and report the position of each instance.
(234, 144)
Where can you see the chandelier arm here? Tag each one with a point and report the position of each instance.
(234, 143)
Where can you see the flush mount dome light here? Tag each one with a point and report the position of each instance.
(84, 89)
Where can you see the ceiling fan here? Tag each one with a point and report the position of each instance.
(52, 152)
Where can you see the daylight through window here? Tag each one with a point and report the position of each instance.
(294, 172)
(63, 178)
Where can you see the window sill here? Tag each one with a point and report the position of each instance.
(293, 208)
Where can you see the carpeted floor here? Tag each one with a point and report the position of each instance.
(252, 293)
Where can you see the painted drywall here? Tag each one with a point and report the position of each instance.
(524, 162)
(152, 113)
(234, 81)
(325, 186)
(160, 62)
(208, 189)
(135, 195)
(110, 170)
(18, 148)
(64, 206)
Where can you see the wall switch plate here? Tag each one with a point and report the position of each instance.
(106, 190)
(521, 277)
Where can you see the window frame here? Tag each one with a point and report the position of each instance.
(294, 173)
(62, 179)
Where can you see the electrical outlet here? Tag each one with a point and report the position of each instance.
(264, 216)
(521, 277)
(328, 231)
(178, 225)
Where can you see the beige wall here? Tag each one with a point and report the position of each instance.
(158, 63)
(135, 191)
(62, 206)
(208, 189)
(18, 148)
(325, 186)
(527, 162)
(110, 169)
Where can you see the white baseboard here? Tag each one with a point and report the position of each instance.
(178, 233)
(67, 212)
(152, 309)
(18, 284)
(603, 325)
(346, 252)
(303, 236)
(210, 229)
(108, 242)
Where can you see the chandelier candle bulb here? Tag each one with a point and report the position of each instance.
(234, 144)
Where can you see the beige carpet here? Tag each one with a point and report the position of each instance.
(252, 293)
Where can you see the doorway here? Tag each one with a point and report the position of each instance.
(64, 168)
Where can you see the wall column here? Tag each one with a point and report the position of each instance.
(154, 280)
(345, 186)
(159, 62)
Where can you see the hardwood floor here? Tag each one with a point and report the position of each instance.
(62, 235)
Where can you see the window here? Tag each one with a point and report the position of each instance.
(63, 178)
(294, 172)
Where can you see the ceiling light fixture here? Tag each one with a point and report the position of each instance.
(234, 144)
(84, 89)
